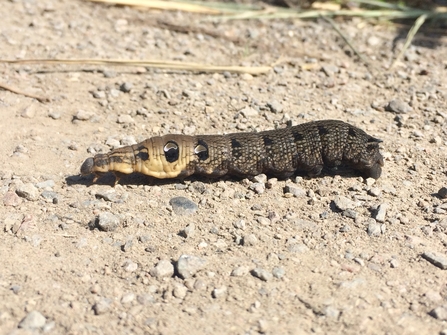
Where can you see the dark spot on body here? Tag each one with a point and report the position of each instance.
(201, 150)
(298, 137)
(322, 130)
(267, 140)
(235, 143)
(144, 156)
(171, 150)
(115, 159)
(352, 132)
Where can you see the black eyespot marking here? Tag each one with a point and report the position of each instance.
(201, 150)
(322, 130)
(235, 143)
(144, 156)
(171, 151)
(297, 136)
(351, 132)
(267, 140)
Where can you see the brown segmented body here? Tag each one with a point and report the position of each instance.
(308, 147)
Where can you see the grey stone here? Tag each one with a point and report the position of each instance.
(27, 191)
(107, 221)
(436, 259)
(127, 298)
(29, 112)
(50, 196)
(179, 291)
(278, 272)
(126, 87)
(399, 107)
(343, 203)
(33, 320)
(249, 112)
(250, 240)
(374, 229)
(219, 292)
(199, 187)
(330, 70)
(164, 268)
(381, 212)
(295, 190)
(275, 106)
(47, 183)
(239, 224)
(102, 306)
(188, 265)
(189, 230)
(183, 206)
(262, 274)
(82, 115)
(125, 118)
(298, 248)
(240, 271)
(439, 313)
(258, 188)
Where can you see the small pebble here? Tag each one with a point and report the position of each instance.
(179, 291)
(343, 203)
(399, 107)
(183, 206)
(295, 190)
(278, 272)
(125, 118)
(130, 266)
(50, 196)
(189, 230)
(27, 191)
(127, 298)
(126, 87)
(381, 212)
(258, 188)
(188, 265)
(29, 112)
(437, 259)
(164, 268)
(102, 306)
(394, 263)
(33, 320)
(374, 229)
(275, 107)
(260, 178)
(439, 313)
(240, 271)
(239, 224)
(262, 274)
(219, 292)
(250, 240)
(11, 199)
(249, 112)
(46, 184)
(375, 191)
(82, 115)
(107, 221)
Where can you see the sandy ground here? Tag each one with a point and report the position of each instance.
(333, 255)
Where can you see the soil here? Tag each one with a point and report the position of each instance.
(328, 255)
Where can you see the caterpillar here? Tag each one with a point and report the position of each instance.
(307, 148)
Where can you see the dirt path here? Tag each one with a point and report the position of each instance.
(333, 255)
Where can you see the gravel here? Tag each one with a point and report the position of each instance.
(342, 203)
(381, 212)
(240, 271)
(102, 306)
